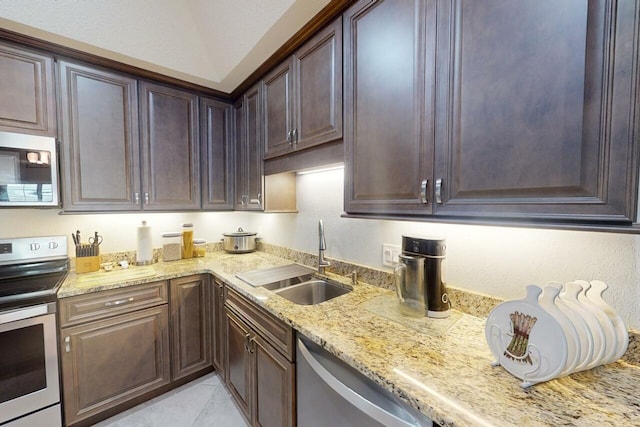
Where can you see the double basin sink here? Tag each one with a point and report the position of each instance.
(295, 283)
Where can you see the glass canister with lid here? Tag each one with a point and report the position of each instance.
(199, 248)
(171, 246)
(187, 240)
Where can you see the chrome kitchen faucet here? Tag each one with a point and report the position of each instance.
(322, 263)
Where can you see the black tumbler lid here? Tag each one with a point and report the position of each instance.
(424, 245)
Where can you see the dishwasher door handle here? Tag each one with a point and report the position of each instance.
(369, 408)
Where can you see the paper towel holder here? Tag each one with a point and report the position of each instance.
(144, 238)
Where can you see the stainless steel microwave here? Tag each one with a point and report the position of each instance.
(28, 170)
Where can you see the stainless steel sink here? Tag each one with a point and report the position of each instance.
(312, 292)
(284, 283)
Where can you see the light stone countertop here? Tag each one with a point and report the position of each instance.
(449, 377)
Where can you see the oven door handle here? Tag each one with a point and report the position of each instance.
(25, 313)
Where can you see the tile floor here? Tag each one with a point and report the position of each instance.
(202, 402)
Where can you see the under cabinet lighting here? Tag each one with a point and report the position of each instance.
(321, 169)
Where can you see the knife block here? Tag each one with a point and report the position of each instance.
(87, 264)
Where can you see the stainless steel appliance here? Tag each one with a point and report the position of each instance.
(331, 393)
(410, 285)
(28, 170)
(239, 242)
(433, 252)
(31, 272)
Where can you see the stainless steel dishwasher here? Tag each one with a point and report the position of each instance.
(331, 393)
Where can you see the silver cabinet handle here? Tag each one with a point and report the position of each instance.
(243, 200)
(290, 138)
(146, 198)
(439, 191)
(118, 302)
(423, 191)
(257, 200)
(295, 136)
(247, 337)
(136, 198)
(67, 344)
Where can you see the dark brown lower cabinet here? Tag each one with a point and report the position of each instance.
(190, 311)
(274, 385)
(108, 362)
(259, 375)
(217, 327)
(122, 346)
(238, 371)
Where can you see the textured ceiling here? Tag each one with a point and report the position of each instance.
(214, 43)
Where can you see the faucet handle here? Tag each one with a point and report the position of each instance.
(354, 277)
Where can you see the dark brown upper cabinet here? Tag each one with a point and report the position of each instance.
(535, 109)
(388, 121)
(303, 96)
(170, 148)
(533, 113)
(248, 130)
(216, 133)
(27, 104)
(100, 144)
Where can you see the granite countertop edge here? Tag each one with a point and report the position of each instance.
(448, 378)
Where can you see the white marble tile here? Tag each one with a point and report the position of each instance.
(182, 407)
(220, 411)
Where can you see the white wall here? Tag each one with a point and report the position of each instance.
(118, 230)
(498, 261)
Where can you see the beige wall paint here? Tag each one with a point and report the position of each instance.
(498, 261)
(214, 43)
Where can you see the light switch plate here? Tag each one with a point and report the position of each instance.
(390, 254)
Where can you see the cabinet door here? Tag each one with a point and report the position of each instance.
(190, 312)
(27, 104)
(278, 110)
(275, 386)
(388, 128)
(217, 154)
(170, 148)
(218, 327)
(240, 151)
(249, 154)
(238, 371)
(535, 109)
(318, 88)
(100, 144)
(101, 367)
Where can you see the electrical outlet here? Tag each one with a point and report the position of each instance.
(390, 254)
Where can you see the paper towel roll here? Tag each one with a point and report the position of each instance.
(144, 253)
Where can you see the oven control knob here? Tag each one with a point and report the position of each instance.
(34, 246)
(53, 245)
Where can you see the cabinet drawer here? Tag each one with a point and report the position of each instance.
(276, 332)
(100, 305)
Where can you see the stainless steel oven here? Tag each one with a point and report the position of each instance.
(31, 272)
(28, 170)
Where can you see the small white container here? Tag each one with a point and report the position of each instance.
(172, 246)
